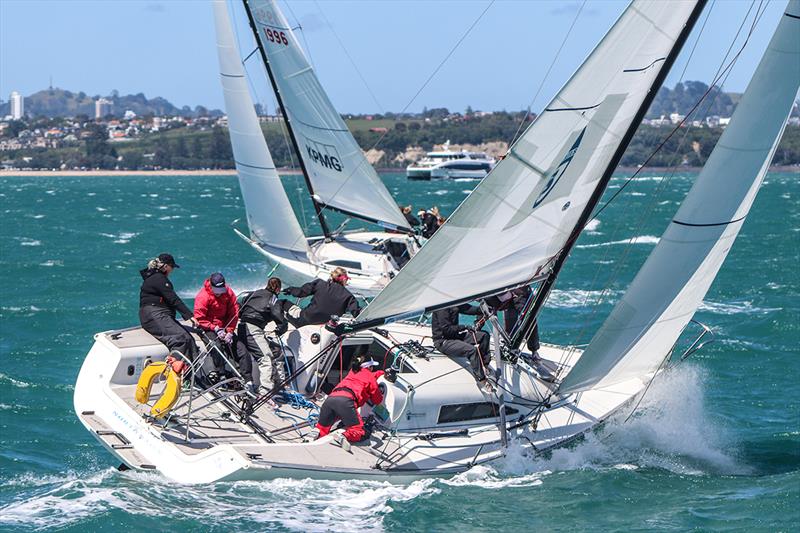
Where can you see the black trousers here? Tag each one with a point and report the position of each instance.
(475, 349)
(161, 324)
(510, 317)
(236, 350)
(340, 407)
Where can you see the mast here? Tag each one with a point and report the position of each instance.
(317, 206)
(544, 290)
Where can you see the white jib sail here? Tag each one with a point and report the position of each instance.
(666, 292)
(521, 215)
(269, 213)
(341, 176)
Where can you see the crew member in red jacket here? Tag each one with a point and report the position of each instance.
(359, 386)
(217, 313)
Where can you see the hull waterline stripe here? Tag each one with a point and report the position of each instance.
(708, 225)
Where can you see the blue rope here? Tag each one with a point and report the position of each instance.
(295, 400)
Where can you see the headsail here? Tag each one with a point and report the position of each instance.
(269, 213)
(666, 292)
(340, 174)
(518, 219)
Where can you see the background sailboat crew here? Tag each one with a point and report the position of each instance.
(410, 218)
(358, 387)
(329, 298)
(459, 340)
(158, 304)
(217, 313)
(260, 308)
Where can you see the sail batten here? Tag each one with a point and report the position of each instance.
(337, 171)
(522, 214)
(668, 289)
(270, 216)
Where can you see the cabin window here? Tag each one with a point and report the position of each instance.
(353, 265)
(471, 411)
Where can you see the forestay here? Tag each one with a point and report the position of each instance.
(520, 216)
(646, 323)
(341, 176)
(269, 213)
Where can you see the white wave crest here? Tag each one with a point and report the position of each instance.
(670, 430)
(736, 307)
(641, 239)
(578, 298)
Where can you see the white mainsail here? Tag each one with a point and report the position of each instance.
(666, 292)
(339, 173)
(520, 216)
(269, 213)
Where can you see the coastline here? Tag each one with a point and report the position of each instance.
(283, 171)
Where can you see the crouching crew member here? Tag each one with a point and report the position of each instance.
(358, 387)
(459, 340)
(217, 313)
(262, 307)
(329, 298)
(157, 306)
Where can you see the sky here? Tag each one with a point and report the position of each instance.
(167, 48)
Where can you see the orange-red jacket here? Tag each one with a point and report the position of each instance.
(216, 311)
(363, 384)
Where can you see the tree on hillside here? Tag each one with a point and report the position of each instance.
(219, 150)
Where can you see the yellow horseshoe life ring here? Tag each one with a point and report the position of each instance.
(172, 390)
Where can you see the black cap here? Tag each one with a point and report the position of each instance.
(167, 259)
(217, 280)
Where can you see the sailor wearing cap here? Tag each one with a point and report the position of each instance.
(158, 304)
(357, 388)
(217, 313)
(329, 298)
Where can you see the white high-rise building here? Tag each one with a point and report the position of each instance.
(17, 105)
(102, 107)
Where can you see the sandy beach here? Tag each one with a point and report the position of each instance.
(284, 171)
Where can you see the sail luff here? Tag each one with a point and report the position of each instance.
(668, 289)
(317, 207)
(529, 320)
(270, 216)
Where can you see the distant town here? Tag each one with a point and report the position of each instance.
(55, 130)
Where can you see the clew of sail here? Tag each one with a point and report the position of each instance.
(672, 283)
(337, 169)
(519, 218)
(269, 213)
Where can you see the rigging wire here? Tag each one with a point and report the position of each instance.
(349, 57)
(413, 98)
(547, 74)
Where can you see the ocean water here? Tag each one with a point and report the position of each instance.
(715, 444)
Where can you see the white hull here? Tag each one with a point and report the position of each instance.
(369, 269)
(457, 174)
(220, 447)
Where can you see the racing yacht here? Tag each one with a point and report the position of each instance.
(434, 420)
(337, 175)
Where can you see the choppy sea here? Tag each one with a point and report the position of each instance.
(715, 444)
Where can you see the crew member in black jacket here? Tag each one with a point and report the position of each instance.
(158, 304)
(459, 340)
(259, 308)
(329, 298)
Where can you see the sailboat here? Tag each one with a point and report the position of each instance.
(337, 174)
(434, 419)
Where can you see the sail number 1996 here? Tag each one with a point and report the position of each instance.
(276, 36)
